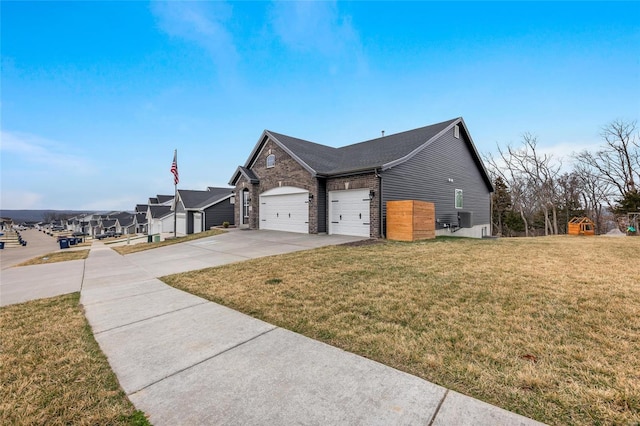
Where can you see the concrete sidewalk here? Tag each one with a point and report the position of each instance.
(184, 360)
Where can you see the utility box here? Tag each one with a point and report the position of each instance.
(411, 220)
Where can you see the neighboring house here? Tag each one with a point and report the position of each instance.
(197, 211)
(290, 184)
(140, 222)
(124, 223)
(159, 219)
(107, 225)
(6, 223)
(94, 227)
(165, 200)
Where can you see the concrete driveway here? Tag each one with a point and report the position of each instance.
(234, 246)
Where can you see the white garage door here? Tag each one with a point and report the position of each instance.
(285, 209)
(181, 224)
(349, 212)
(197, 223)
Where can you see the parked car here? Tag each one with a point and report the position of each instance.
(79, 234)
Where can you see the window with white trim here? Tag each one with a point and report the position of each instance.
(271, 161)
(456, 131)
(246, 203)
(458, 200)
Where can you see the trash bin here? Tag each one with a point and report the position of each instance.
(149, 238)
(24, 243)
(1, 245)
(72, 241)
(64, 243)
(156, 238)
(79, 240)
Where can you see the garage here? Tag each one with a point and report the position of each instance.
(349, 212)
(197, 222)
(181, 224)
(285, 209)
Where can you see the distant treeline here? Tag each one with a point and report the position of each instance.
(19, 216)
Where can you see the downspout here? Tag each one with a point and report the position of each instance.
(380, 221)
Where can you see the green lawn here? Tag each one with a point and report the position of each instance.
(546, 327)
(53, 372)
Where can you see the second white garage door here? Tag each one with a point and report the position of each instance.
(285, 209)
(349, 212)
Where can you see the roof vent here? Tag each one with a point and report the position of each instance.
(383, 133)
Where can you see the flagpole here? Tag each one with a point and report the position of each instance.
(175, 198)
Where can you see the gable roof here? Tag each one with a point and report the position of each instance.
(108, 223)
(153, 200)
(247, 173)
(376, 154)
(197, 200)
(163, 199)
(141, 208)
(159, 211)
(141, 218)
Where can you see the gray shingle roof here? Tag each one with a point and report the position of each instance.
(141, 208)
(366, 155)
(158, 211)
(164, 198)
(141, 218)
(193, 199)
(153, 200)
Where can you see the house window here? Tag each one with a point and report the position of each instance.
(271, 161)
(458, 198)
(246, 202)
(456, 131)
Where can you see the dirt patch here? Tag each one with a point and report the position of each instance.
(362, 243)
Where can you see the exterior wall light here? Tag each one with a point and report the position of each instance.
(372, 194)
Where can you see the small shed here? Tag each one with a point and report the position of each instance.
(410, 220)
(581, 226)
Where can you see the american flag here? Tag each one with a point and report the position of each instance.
(174, 168)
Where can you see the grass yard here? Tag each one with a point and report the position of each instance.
(61, 256)
(134, 248)
(53, 371)
(546, 327)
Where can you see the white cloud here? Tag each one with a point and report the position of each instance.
(19, 200)
(125, 203)
(202, 23)
(318, 27)
(564, 151)
(33, 149)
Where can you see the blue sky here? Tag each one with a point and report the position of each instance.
(95, 96)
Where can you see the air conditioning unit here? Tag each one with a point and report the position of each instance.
(465, 219)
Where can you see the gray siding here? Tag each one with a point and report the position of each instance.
(189, 222)
(322, 205)
(219, 213)
(425, 177)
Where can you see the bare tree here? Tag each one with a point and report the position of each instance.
(595, 194)
(541, 173)
(617, 164)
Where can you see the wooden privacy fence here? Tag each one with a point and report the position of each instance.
(410, 220)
